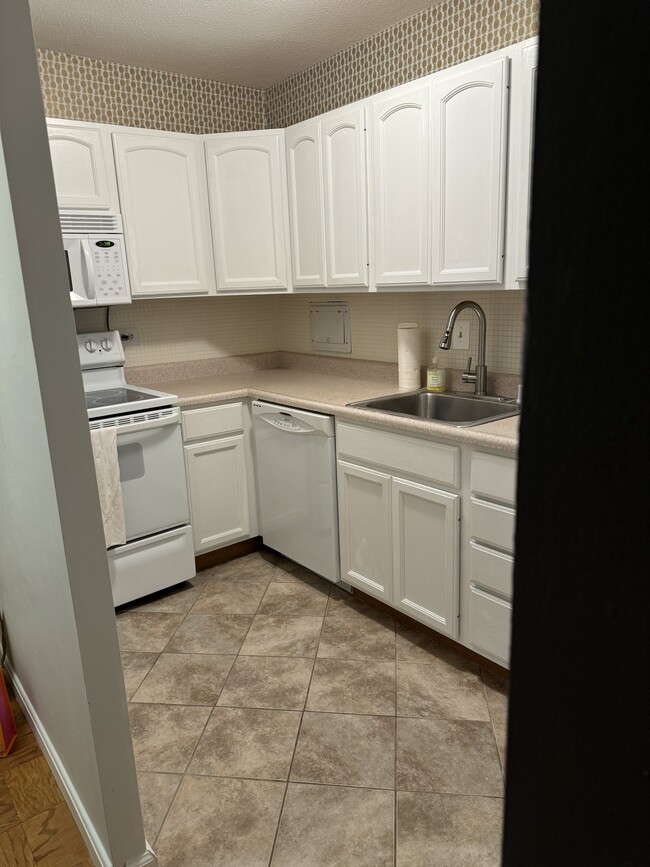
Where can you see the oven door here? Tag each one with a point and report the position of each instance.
(152, 472)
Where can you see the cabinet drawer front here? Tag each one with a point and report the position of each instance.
(490, 569)
(489, 628)
(211, 420)
(405, 454)
(493, 524)
(494, 477)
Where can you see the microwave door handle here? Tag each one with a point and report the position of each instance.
(88, 268)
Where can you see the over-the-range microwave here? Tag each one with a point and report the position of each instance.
(95, 260)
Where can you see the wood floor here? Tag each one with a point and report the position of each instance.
(36, 826)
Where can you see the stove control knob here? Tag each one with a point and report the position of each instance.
(107, 345)
(91, 346)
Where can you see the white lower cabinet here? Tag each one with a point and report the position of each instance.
(487, 590)
(219, 476)
(401, 501)
(425, 554)
(399, 537)
(365, 530)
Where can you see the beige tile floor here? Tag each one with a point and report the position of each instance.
(277, 720)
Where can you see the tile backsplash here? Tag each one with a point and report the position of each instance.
(201, 328)
(374, 319)
(189, 329)
(449, 32)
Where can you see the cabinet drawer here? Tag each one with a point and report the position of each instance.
(211, 420)
(494, 477)
(491, 569)
(405, 454)
(489, 624)
(493, 524)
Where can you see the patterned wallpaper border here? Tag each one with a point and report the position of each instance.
(452, 31)
(448, 33)
(82, 88)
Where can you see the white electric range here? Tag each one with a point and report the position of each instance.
(159, 549)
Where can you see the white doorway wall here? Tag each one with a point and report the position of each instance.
(55, 595)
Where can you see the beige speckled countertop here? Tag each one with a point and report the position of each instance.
(329, 394)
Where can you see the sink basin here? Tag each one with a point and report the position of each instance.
(460, 410)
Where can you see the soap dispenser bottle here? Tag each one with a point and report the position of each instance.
(435, 377)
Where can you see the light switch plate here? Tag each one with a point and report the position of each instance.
(460, 336)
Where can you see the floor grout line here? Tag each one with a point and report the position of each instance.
(341, 613)
(295, 746)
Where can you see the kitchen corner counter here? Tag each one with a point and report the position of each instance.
(330, 394)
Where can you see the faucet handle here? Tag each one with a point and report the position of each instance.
(469, 365)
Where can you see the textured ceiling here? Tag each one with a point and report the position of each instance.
(251, 42)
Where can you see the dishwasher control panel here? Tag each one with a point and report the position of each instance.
(286, 423)
(292, 420)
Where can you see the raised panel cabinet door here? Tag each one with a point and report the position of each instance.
(365, 530)
(161, 179)
(524, 132)
(81, 160)
(246, 182)
(426, 540)
(217, 480)
(344, 183)
(400, 149)
(305, 183)
(469, 118)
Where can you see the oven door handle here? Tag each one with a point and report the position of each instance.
(138, 422)
(88, 268)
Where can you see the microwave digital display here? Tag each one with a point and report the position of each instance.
(104, 243)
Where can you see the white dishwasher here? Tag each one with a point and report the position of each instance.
(296, 474)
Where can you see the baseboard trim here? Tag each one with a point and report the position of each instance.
(94, 844)
(228, 552)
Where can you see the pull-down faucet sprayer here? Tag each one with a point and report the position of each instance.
(479, 376)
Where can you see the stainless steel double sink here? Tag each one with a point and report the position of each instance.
(460, 410)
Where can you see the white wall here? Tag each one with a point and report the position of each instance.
(54, 586)
(34, 588)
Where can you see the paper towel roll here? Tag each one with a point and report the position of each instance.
(408, 356)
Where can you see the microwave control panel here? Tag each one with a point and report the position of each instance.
(109, 264)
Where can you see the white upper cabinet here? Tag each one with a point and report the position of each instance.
(469, 117)
(305, 182)
(84, 173)
(163, 194)
(400, 208)
(524, 86)
(247, 186)
(344, 179)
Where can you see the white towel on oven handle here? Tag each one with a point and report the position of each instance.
(107, 470)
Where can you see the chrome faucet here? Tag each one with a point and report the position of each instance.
(479, 376)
